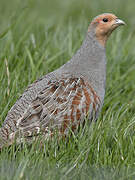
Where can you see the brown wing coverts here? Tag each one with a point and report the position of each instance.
(62, 104)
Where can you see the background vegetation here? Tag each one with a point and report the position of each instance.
(38, 37)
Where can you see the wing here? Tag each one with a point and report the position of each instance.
(62, 104)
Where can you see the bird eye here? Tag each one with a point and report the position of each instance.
(105, 20)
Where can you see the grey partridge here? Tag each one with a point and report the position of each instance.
(63, 98)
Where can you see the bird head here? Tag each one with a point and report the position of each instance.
(103, 25)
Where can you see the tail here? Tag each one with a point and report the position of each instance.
(5, 140)
(2, 144)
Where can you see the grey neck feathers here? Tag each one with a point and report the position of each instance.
(90, 62)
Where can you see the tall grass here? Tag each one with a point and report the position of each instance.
(37, 37)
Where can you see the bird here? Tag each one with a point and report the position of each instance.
(62, 99)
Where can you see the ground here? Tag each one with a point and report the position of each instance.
(38, 37)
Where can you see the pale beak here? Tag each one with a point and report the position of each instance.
(119, 22)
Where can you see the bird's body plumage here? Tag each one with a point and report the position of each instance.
(61, 99)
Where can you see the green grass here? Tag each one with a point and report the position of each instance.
(38, 37)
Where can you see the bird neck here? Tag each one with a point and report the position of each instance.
(98, 34)
(91, 50)
(90, 57)
(90, 61)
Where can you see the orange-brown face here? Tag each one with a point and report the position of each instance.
(103, 26)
